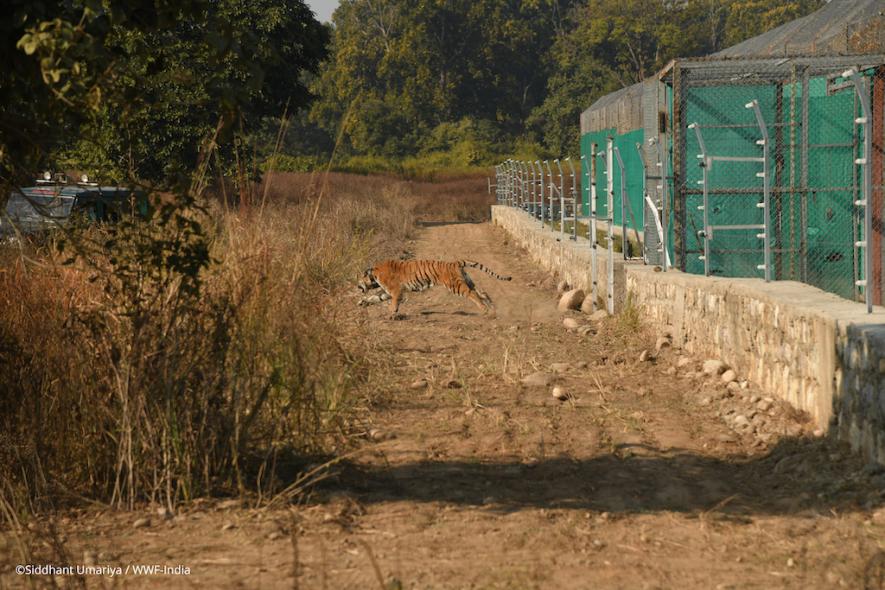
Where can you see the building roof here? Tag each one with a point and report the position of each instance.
(841, 27)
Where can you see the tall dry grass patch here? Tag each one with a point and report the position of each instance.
(126, 377)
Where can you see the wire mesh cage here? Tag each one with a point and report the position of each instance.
(778, 170)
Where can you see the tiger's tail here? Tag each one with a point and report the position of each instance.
(485, 269)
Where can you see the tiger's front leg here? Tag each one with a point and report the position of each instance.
(395, 299)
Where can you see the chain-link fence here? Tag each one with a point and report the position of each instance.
(767, 168)
(584, 198)
(777, 169)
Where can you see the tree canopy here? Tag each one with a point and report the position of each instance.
(398, 69)
(132, 88)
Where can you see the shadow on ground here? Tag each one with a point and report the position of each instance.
(797, 475)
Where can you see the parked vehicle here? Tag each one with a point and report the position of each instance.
(54, 202)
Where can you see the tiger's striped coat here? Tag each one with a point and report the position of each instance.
(394, 277)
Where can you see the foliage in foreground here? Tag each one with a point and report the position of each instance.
(123, 379)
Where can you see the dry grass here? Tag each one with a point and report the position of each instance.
(121, 390)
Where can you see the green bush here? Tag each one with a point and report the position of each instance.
(290, 163)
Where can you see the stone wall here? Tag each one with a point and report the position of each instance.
(569, 259)
(821, 353)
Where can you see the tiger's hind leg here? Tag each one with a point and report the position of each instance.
(487, 301)
(479, 298)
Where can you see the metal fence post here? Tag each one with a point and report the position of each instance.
(863, 95)
(561, 203)
(507, 183)
(665, 212)
(574, 198)
(591, 197)
(653, 209)
(528, 186)
(705, 204)
(766, 186)
(542, 196)
(610, 223)
(549, 192)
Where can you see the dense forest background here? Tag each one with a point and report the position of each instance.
(138, 89)
(460, 82)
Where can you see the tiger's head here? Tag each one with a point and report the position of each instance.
(367, 281)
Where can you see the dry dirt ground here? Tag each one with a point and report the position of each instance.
(478, 481)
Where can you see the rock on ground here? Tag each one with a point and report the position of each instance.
(537, 379)
(571, 300)
(570, 324)
(713, 367)
(598, 315)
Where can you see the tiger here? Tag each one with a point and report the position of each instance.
(394, 277)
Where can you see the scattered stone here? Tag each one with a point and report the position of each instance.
(560, 394)
(587, 305)
(585, 330)
(683, 361)
(598, 315)
(538, 379)
(581, 365)
(419, 384)
(377, 435)
(141, 523)
(670, 371)
(741, 421)
(571, 300)
(228, 526)
(706, 401)
(454, 384)
(164, 513)
(732, 386)
(562, 286)
(819, 433)
(275, 535)
(644, 356)
(755, 399)
(713, 367)
(725, 438)
(791, 562)
(570, 324)
(729, 376)
(662, 342)
(560, 367)
(745, 384)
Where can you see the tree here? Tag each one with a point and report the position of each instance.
(411, 66)
(141, 83)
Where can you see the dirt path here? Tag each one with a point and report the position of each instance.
(478, 481)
